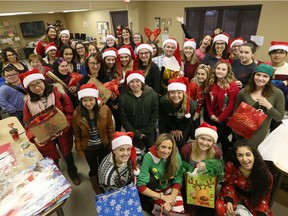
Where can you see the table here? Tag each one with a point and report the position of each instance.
(23, 162)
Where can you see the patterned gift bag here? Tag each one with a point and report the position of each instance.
(124, 201)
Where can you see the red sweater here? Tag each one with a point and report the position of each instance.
(197, 94)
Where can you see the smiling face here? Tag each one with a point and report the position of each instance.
(63, 68)
(110, 61)
(204, 142)
(245, 158)
(94, 66)
(124, 59)
(137, 38)
(37, 87)
(201, 75)
(154, 49)
(110, 42)
(164, 149)
(65, 39)
(52, 34)
(277, 56)
(125, 34)
(11, 77)
(220, 46)
(88, 102)
(261, 79)
(169, 49)
(176, 96)
(245, 55)
(221, 71)
(206, 41)
(122, 153)
(68, 54)
(92, 49)
(236, 48)
(188, 52)
(145, 55)
(11, 57)
(80, 49)
(135, 85)
(35, 63)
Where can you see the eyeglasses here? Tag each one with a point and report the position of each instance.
(279, 52)
(93, 63)
(144, 53)
(38, 83)
(11, 75)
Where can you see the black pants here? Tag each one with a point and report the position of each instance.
(69, 161)
(146, 142)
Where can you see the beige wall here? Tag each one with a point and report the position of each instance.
(272, 23)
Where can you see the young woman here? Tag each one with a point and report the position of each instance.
(218, 51)
(151, 70)
(126, 56)
(93, 130)
(40, 96)
(194, 152)
(126, 38)
(176, 111)
(160, 177)
(67, 54)
(92, 48)
(80, 57)
(235, 47)
(198, 92)
(204, 48)
(120, 167)
(244, 66)
(139, 110)
(64, 38)
(110, 42)
(10, 56)
(221, 100)
(51, 51)
(247, 180)
(155, 48)
(49, 37)
(36, 62)
(189, 58)
(261, 94)
(137, 38)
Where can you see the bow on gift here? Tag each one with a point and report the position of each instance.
(148, 33)
(113, 86)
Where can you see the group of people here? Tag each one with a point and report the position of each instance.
(161, 102)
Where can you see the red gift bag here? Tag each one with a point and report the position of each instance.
(246, 120)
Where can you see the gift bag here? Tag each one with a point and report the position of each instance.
(121, 202)
(104, 93)
(246, 120)
(200, 189)
(47, 123)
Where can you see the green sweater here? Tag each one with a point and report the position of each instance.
(276, 112)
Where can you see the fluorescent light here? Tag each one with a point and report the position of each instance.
(51, 12)
(14, 13)
(67, 11)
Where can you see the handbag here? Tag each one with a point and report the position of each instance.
(46, 124)
(160, 211)
(123, 201)
(246, 120)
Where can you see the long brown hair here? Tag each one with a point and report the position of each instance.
(171, 166)
(251, 86)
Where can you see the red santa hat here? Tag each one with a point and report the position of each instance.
(30, 76)
(111, 37)
(109, 52)
(275, 45)
(189, 43)
(176, 54)
(88, 90)
(65, 31)
(49, 47)
(238, 40)
(127, 49)
(135, 74)
(223, 36)
(182, 84)
(125, 138)
(144, 46)
(207, 129)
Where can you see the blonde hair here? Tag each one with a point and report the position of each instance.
(171, 166)
(195, 148)
(207, 69)
(184, 101)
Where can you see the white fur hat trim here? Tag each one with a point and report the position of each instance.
(169, 41)
(122, 140)
(176, 86)
(124, 51)
(221, 37)
(65, 32)
(88, 92)
(50, 48)
(111, 37)
(144, 46)
(235, 42)
(190, 44)
(276, 47)
(109, 53)
(30, 78)
(135, 76)
(206, 131)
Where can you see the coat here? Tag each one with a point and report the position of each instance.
(82, 130)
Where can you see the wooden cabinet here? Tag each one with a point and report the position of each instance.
(9, 37)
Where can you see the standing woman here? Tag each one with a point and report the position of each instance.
(189, 58)
(10, 56)
(155, 48)
(139, 110)
(247, 180)
(221, 100)
(51, 51)
(80, 57)
(261, 94)
(244, 66)
(198, 92)
(93, 130)
(126, 38)
(151, 70)
(67, 53)
(137, 38)
(110, 43)
(40, 96)
(204, 48)
(126, 56)
(160, 176)
(120, 166)
(218, 51)
(49, 37)
(176, 111)
(92, 48)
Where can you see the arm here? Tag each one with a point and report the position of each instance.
(209, 103)
(278, 108)
(68, 108)
(184, 28)
(4, 104)
(228, 188)
(155, 75)
(264, 203)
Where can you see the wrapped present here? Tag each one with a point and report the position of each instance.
(75, 78)
(113, 86)
(46, 124)
(104, 93)
(124, 201)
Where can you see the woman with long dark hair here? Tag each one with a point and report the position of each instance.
(247, 180)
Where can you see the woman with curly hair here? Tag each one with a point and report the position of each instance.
(221, 100)
(247, 181)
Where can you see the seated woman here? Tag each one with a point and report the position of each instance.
(194, 152)
(247, 181)
(120, 167)
(160, 176)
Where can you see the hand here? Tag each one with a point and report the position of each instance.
(285, 82)
(201, 166)
(142, 136)
(169, 199)
(180, 20)
(239, 84)
(214, 118)
(229, 209)
(72, 89)
(263, 102)
(196, 116)
(177, 134)
(167, 207)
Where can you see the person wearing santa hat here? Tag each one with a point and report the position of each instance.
(51, 54)
(235, 47)
(64, 38)
(190, 60)
(126, 56)
(126, 38)
(93, 130)
(145, 63)
(219, 50)
(196, 151)
(176, 110)
(160, 177)
(221, 100)
(120, 167)
(110, 43)
(139, 109)
(41, 96)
